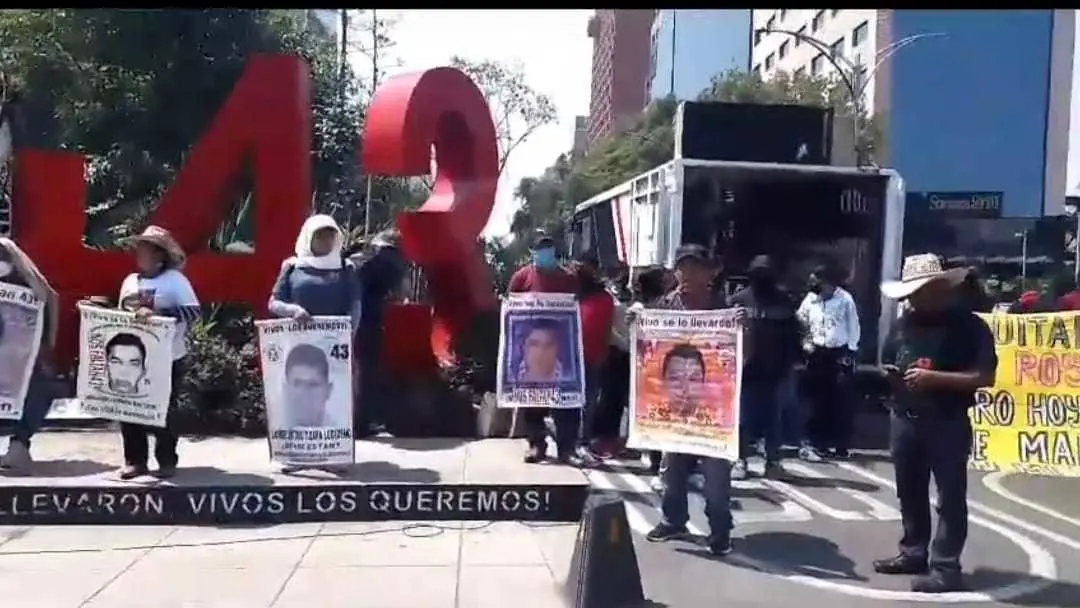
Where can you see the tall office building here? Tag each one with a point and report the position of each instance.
(690, 47)
(967, 100)
(620, 67)
(581, 139)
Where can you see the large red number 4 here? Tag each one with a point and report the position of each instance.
(266, 120)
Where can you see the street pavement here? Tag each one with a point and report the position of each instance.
(811, 535)
(806, 537)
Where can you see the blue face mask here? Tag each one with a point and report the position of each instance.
(544, 258)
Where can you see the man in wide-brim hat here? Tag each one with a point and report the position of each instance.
(936, 357)
(163, 240)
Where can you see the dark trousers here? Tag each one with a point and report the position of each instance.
(368, 403)
(136, 437)
(614, 394)
(827, 385)
(938, 446)
(567, 426)
(764, 398)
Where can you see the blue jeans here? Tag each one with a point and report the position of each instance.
(39, 398)
(673, 501)
(764, 401)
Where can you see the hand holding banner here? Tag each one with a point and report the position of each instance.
(540, 356)
(21, 326)
(125, 365)
(686, 382)
(307, 378)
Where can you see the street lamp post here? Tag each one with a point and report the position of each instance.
(1023, 236)
(852, 75)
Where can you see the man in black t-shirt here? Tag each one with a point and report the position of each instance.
(937, 357)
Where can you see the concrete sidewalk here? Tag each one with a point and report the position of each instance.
(374, 565)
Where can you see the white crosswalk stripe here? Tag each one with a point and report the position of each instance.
(805, 492)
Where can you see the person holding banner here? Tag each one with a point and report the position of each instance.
(316, 282)
(597, 307)
(695, 272)
(937, 356)
(545, 275)
(157, 288)
(16, 268)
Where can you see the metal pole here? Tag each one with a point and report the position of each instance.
(1023, 258)
(671, 83)
(1076, 248)
(374, 84)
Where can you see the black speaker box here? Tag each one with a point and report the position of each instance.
(757, 133)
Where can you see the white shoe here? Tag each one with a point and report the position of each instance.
(18, 457)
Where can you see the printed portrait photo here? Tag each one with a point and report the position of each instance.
(18, 332)
(542, 351)
(310, 394)
(689, 383)
(125, 365)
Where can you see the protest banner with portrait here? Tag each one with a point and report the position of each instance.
(540, 358)
(22, 316)
(685, 382)
(1029, 421)
(125, 365)
(308, 381)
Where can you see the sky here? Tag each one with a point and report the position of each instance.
(552, 48)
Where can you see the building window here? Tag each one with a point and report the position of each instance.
(770, 23)
(769, 62)
(859, 34)
(817, 66)
(801, 32)
(837, 48)
(758, 36)
(783, 13)
(819, 20)
(757, 70)
(834, 11)
(801, 72)
(784, 49)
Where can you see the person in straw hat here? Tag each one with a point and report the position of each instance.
(16, 268)
(158, 287)
(937, 356)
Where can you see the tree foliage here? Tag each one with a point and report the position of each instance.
(548, 200)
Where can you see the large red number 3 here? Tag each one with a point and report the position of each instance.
(267, 121)
(443, 108)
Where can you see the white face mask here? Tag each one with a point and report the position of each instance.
(5, 268)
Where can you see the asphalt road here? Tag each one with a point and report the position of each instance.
(811, 536)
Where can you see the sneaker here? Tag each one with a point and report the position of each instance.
(901, 564)
(534, 454)
(938, 581)
(165, 472)
(657, 485)
(773, 469)
(696, 482)
(665, 532)
(131, 471)
(570, 459)
(18, 458)
(719, 545)
(809, 453)
(738, 470)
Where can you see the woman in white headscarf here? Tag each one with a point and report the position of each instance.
(16, 268)
(317, 281)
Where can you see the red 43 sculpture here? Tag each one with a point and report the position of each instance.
(267, 120)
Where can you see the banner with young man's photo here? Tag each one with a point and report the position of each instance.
(685, 382)
(308, 381)
(540, 358)
(125, 365)
(21, 326)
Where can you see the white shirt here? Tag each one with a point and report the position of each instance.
(831, 322)
(171, 290)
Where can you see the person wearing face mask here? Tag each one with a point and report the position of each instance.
(545, 275)
(830, 323)
(936, 357)
(771, 350)
(158, 288)
(317, 280)
(16, 268)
